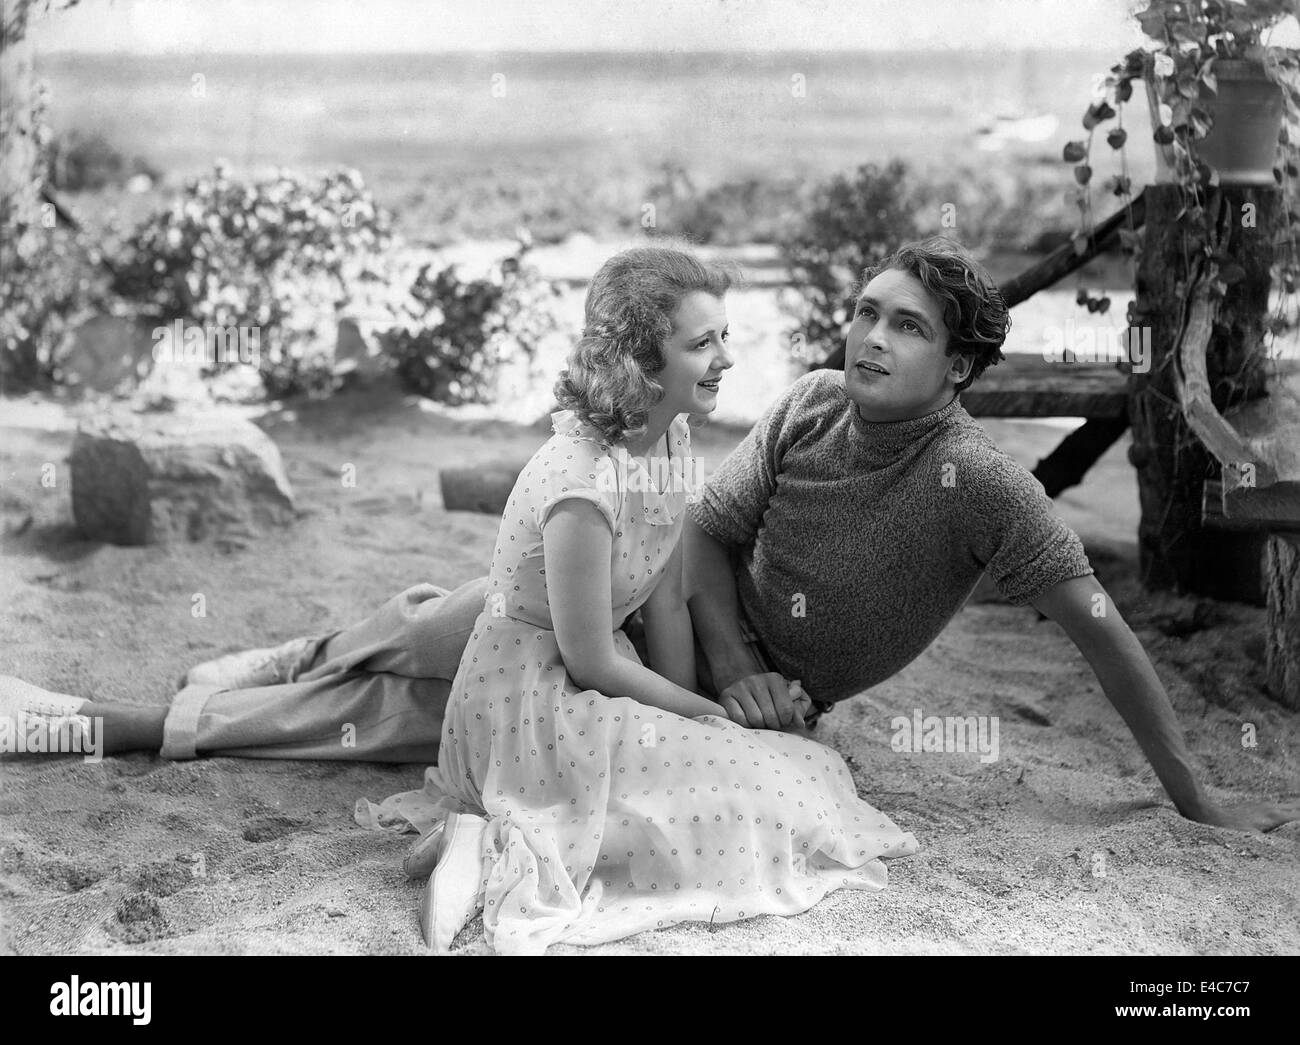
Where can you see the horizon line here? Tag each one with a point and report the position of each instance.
(682, 51)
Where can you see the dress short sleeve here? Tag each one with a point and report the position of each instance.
(573, 466)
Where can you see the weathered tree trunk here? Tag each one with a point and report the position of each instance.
(1282, 640)
(1175, 552)
(19, 187)
(20, 198)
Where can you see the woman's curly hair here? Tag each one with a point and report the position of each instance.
(610, 379)
(973, 308)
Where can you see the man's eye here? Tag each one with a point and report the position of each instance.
(864, 309)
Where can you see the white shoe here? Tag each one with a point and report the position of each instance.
(455, 891)
(249, 668)
(425, 854)
(17, 695)
(34, 712)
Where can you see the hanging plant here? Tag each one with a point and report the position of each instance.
(1225, 109)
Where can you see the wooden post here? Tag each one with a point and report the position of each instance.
(1282, 642)
(1175, 552)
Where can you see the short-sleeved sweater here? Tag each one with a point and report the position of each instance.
(860, 541)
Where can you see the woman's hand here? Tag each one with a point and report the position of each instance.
(766, 701)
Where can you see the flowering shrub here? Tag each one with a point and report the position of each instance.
(281, 255)
(459, 332)
(48, 286)
(50, 275)
(854, 223)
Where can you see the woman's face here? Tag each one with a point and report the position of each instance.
(895, 361)
(695, 355)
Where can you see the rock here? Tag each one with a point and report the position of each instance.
(110, 353)
(145, 478)
(483, 489)
(353, 359)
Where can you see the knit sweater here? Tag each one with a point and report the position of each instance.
(860, 541)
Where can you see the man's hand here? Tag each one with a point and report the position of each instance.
(1249, 816)
(765, 701)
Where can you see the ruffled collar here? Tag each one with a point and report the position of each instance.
(660, 507)
(567, 422)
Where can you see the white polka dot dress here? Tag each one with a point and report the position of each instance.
(608, 817)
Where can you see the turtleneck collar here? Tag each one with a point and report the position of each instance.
(883, 441)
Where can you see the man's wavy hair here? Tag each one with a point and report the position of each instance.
(973, 308)
(610, 379)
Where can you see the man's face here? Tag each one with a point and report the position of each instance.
(896, 365)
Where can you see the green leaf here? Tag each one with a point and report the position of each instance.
(1116, 138)
(1074, 152)
(1083, 174)
(1152, 22)
(1185, 32)
(1232, 273)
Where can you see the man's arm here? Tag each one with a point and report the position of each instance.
(746, 690)
(1132, 686)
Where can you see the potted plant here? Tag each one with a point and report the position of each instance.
(1217, 90)
(1223, 104)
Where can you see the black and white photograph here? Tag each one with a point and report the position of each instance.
(670, 478)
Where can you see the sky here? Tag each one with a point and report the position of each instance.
(350, 26)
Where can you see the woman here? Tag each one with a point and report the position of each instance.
(581, 796)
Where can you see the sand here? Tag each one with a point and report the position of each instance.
(1065, 844)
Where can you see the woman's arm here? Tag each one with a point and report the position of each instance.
(669, 640)
(757, 698)
(577, 546)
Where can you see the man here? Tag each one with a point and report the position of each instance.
(850, 525)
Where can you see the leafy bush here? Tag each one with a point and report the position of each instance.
(80, 162)
(461, 331)
(278, 254)
(854, 223)
(51, 277)
(996, 208)
(749, 210)
(49, 284)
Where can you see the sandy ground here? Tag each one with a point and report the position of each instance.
(1065, 844)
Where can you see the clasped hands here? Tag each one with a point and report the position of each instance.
(767, 701)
